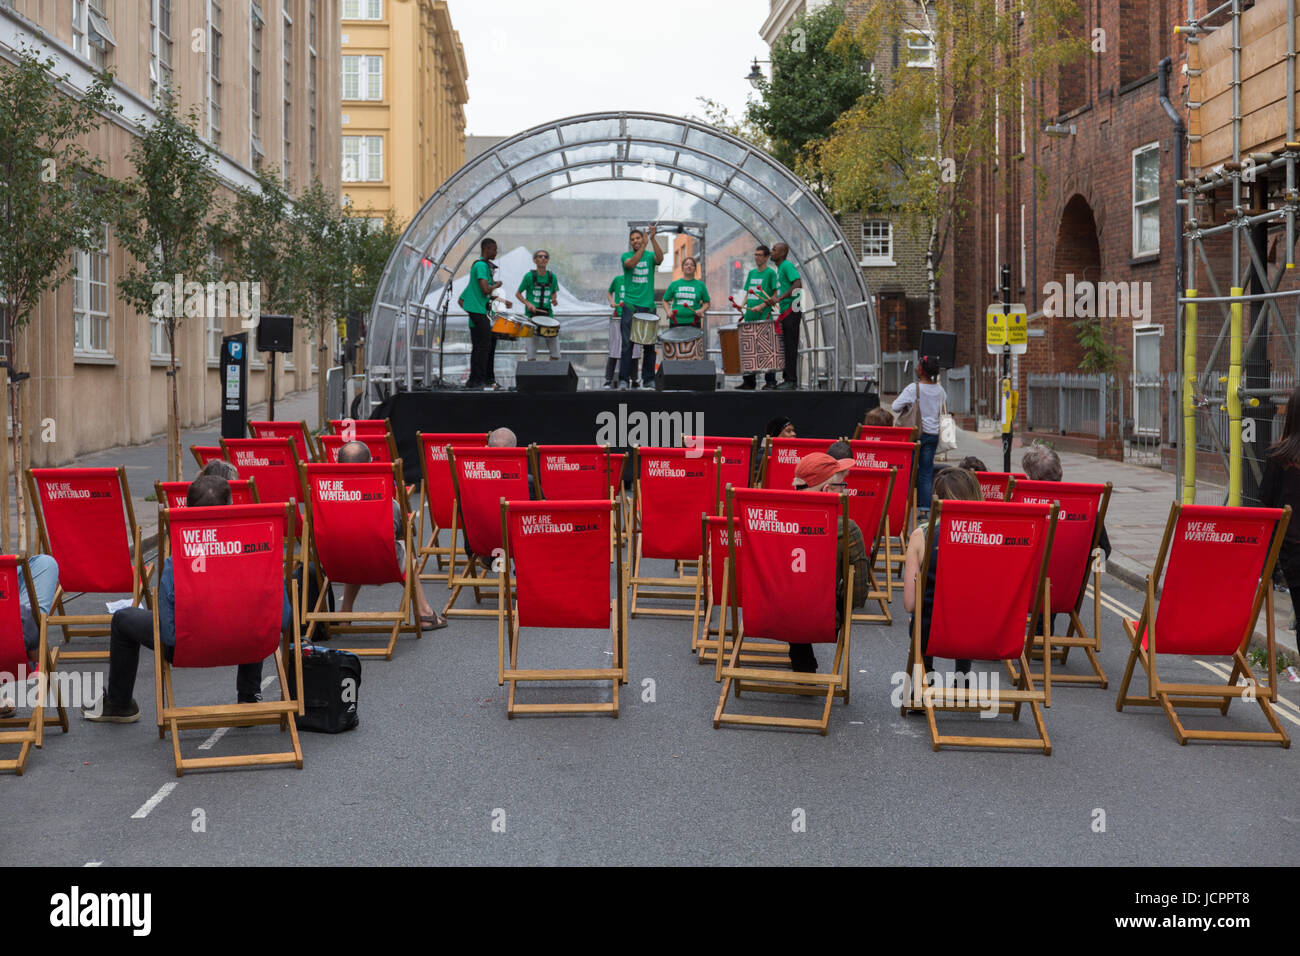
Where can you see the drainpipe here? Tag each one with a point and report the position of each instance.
(1187, 440)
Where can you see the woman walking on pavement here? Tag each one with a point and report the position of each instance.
(920, 403)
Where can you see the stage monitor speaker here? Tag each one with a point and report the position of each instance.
(275, 333)
(943, 345)
(687, 375)
(552, 376)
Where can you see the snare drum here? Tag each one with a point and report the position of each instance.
(645, 328)
(760, 348)
(545, 326)
(683, 342)
(729, 342)
(504, 324)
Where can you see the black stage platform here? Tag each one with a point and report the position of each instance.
(617, 418)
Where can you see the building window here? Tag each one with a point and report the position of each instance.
(1146, 379)
(160, 49)
(363, 78)
(256, 22)
(288, 90)
(215, 332)
(362, 9)
(363, 159)
(1146, 200)
(90, 299)
(920, 48)
(91, 36)
(214, 71)
(877, 242)
(157, 337)
(311, 85)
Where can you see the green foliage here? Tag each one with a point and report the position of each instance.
(262, 243)
(323, 263)
(720, 118)
(54, 197)
(819, 70)
(1099, 352)
(368, 250)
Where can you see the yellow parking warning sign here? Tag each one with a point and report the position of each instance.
(1002, 329)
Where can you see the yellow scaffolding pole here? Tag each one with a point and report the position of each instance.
(1234, 400)
(1189, 400)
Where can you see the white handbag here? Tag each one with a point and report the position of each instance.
(947, 430)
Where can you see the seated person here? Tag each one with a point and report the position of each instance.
(971, 463)
(950, 484)
(840, 450)
(821, 472)
(132, 629)
(45, 579)
(353, 453)
(780, 427)
(502, 438)
(222, 469)
(878, 417)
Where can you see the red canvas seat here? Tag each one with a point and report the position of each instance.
(382, 447)
(173, 494)
(902, 500)
(782, 455)
(716, 575)
(350, 538)
(869, 491)
(1217, 564)
(438, 494)
(87, 524)
(206, 453)
(1075, 560)
(737, 457)
(570, 472)
(350, 428)
(482, 477)
(297, 431)
(990, 588)
(673, 489)
(273, 462)
(231, 565)
(560, 553)
(995, 484)
(16, 667)
(796, 548)
(884, 433)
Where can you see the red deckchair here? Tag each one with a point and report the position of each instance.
(356, 427)
(869, 491)
(884, 433)
(780, 458)
(15, 666)
(1075, 558)
(796, 549)
(673, 488)
(990, 587)
(274, 463)
(560, 553)
(172, 494)
(481, 478)
(995, 484)
(570, 472)
(1217, 564)
(438, 495)
(715, 576)
(231, 566)
(87, 524)
(302, 440)
(350, 535)
(382, 447)
(737, 457)
(902, 500)
(206, 453)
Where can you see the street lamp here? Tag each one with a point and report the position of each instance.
(755, 76)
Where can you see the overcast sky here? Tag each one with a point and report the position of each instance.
(531, 62)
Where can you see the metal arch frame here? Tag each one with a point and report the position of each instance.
(499, 169)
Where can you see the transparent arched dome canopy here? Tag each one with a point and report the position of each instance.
(706, 165)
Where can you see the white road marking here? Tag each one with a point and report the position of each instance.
(94, 863)
(1221, 671)
(267, 681)
(211, 741)
(153, 801)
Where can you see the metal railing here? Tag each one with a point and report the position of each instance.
(957, 384)
(1067, 403)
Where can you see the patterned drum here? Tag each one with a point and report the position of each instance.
(760, 348)
(729, 342)
(682, 342)
(545, 326)
(645, 328)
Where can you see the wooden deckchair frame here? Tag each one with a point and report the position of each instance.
(173, 719)
(882, 597)
(309, 443)
(91, 625)
(31, 730)
(429, 548)
(685, 586)
(705, 638)
(1168, 697)
(470, 577)
(892, 573)
(1008, 701)
(770, 680)
(508, 637)
(402, 620)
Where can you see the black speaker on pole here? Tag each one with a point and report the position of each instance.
(275, 333)
(942, 345)
(687, 375)
(545, 376)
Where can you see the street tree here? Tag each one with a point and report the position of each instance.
(324, 268)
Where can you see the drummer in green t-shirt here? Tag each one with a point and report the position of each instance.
(615, 338)
(686, 298)
(789, 289)
(538, 291)
(638, 296)
(760, 287)
(474, 300)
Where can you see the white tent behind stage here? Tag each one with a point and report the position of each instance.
(511, 269)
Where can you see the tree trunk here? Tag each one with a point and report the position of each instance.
(4, 470)
(930, 274)
(20, 414)
(173, 425)
(321, 367)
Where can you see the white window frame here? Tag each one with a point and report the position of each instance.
(161, 72)
(365, 159)
(1143, 205)
(158, 337)
(362, 10)
(876, 259)
(1152, 388)
(215, 26)
(214, 328)
(85, 317)
(369, 72)
(256, 90)
(286, 67)
(925, 47)
(91, 36)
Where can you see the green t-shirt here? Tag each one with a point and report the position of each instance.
(472, 299)
(639, 280)
(537, 292)
(688, 297)
(755, 309)
(786, 275)
(616, 290)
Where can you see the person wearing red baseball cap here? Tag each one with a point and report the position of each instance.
(820, 472)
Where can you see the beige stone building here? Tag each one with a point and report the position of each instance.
(266, 76)
(404, 95)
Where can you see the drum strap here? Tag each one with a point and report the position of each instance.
(546, 289)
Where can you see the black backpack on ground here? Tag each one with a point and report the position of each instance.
(331, 682)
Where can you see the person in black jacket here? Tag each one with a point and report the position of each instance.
(1281, 487)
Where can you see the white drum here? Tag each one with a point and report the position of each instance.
(645, 328)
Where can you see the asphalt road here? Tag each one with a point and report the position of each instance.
(435, 764)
